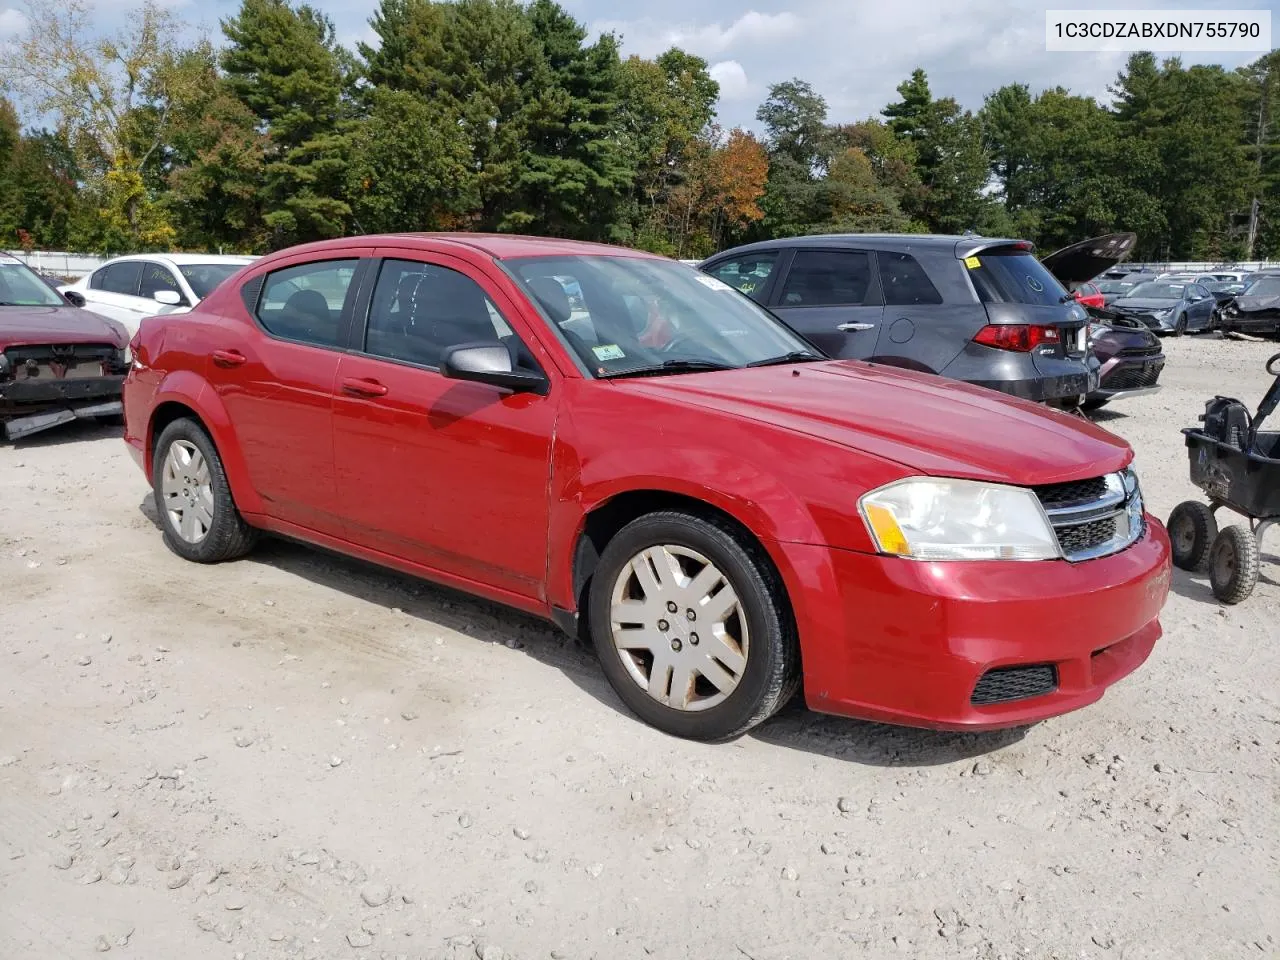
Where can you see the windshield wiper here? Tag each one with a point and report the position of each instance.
(671, 366)
(795, 356)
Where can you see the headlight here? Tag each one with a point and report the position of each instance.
(938, 519)
(1162, 314)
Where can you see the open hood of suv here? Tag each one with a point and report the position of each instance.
(1085, 260)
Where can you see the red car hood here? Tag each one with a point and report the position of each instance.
(30, 325)
(927, 423)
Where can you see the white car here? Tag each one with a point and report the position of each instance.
(146, 285)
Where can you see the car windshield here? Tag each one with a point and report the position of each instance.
(625, 314)
(1114, 286)
(203, 277)
(1013, 276)
(1223, 286)
(1153, 290)
(21, 287)
(1269, 287)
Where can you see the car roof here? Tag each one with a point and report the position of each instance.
(500, 246)
(962, 245)
(182, 259)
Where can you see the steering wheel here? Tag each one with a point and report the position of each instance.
(1273, 365)
(675, 342)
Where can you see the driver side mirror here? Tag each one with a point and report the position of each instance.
(74, 298)
(170, 298)
(489, 363)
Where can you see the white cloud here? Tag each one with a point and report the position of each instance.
(12, 22)
(649, 36)
(732, 79)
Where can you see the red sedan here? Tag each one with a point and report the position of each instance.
(588, 432)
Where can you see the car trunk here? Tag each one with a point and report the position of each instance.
(1017, 289)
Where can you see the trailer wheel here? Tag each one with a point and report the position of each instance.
(1233, 565)
(1192, 529)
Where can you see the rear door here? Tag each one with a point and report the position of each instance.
(831, 297)
(157, 276)
(113, 292)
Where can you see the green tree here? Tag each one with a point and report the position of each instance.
(1262, 146)
(796, 199)
(409, 166)
(950, 159)
(285, 65)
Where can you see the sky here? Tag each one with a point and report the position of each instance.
(853, 52)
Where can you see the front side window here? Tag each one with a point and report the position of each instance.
(638, 313)
(747, 274)
(123, 278)
(421, 309)
(20, 287)
(204, 277)
(904, 281)
(305, 302)
(156, 277)
(1012, 275)
(826, 278)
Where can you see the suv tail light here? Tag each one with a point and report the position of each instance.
(1022, 337)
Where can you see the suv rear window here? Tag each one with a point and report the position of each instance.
(1013, 276)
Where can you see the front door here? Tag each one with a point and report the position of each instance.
(274, 370)
(449, 474)
(832, 298)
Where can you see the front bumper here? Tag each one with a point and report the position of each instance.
(29, 406)
(1129, 377)
(1268, 323)
(907, 642)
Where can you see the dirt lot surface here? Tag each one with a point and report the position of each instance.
(299, 756)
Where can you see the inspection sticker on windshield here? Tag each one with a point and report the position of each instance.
(608, 351)
(712, 282)
(973, 263)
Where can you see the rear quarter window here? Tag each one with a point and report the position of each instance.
(1013, 277)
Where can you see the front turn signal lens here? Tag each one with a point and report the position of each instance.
(888, 534)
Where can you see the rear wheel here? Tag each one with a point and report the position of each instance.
(1233, 565)
(197, 513)
(692, 626)
(1192, 529)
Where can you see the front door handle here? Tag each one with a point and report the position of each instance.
(848, 327)
(229, 358)
(360, 387)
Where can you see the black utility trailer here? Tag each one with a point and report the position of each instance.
(1237, 465)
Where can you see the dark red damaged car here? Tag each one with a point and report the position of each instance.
(58, 363)
(631, 448)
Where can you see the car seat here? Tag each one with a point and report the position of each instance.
(306, 316)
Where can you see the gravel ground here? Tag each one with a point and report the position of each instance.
(300, 756)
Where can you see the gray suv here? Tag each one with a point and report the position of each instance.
(977, 309)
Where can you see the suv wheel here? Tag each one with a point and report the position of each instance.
(692, 627)
(197, 513)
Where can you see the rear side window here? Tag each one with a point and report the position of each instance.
(826, 278)
(122, 278)
(1014, 276)
(747, 274)
(904, 281)
(305, 302)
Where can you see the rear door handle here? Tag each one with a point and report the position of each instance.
(848, 327)
(228, 358)
(360, 387)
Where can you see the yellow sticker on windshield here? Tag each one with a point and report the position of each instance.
(973, 263)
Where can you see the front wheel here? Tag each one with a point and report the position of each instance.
(1233, 565)
(1192, 528)
(1180, 327)
(198, 516)
(693, 627)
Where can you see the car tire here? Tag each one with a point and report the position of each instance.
(197, 488)
(751, 651)
(1233, 565)
(1192, 529)
(1180, 327)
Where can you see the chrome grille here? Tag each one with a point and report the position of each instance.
(1094, 517)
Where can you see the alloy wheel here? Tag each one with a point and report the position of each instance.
(187, 489)
(679, 628)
